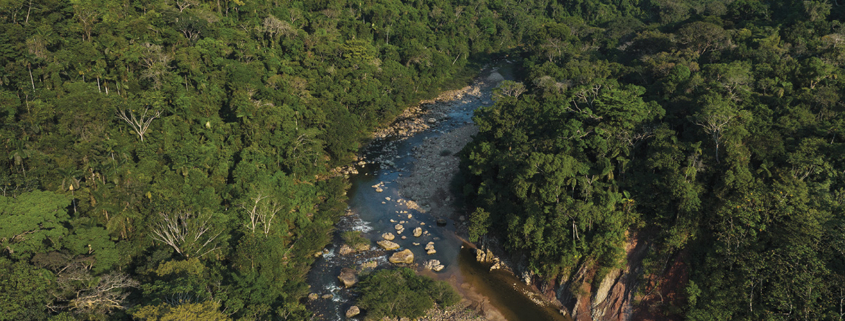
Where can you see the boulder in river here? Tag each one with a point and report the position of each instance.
(402, 257)
(388, 245)
(496, 265)
(361, 247)
(417, 232)
(313, 296)
(434, 265)
(345, 249)
(353, 311)
(348, 277)
(388, 236)
(484, 257)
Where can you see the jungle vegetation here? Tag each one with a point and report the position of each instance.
(168, 159)
(709, 129)
(402, 293)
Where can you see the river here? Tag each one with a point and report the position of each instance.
(374, 211)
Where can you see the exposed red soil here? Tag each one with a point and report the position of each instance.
(664, 291)
(617, 295)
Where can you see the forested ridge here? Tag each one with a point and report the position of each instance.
(161, 158)
(168, 159)
(710, 130)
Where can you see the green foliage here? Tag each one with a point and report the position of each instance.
(187, 311)
(355, 239)
(23, 291)
(402, 293)
(32, 223)
(661, 115)
(695, 124)
(187, 143)
(479, 222)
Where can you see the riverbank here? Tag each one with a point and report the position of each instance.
(429, 184)
(376, 206)
(401, 191)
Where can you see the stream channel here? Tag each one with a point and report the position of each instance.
(498, 293)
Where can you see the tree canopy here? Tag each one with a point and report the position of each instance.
(165, 159)
(711, 129)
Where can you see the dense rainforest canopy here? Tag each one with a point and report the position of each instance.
(168, 159)
(711, 130)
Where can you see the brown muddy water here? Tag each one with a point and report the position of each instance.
(503, 290)
(498, 293)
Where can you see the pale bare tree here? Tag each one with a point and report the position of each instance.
(264, 210)
(139, 123)
(715, 124)
(184, 4)
(86, 16)
(512, 88)
(187, 233)
(586, 95)
(108, 294)
(553, 48)
(276, 28)
(551, 85)
(155, 62)
(295, 15)
(509, 88)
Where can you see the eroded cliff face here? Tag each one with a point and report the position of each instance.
(612, 299)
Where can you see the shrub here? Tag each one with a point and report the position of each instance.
(354, 239)
(403, 293)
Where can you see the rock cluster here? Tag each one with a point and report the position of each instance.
(345, 249)
(434, 265)
(348, 277)
(369, 265)
(353, 311)
(488, 257)
(429, 248)
(388, 245)
(484, 256)
(402, 257)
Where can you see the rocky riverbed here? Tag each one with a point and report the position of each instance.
(402, 202)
